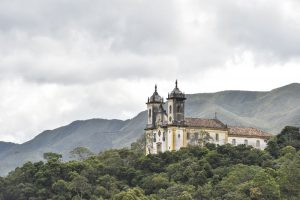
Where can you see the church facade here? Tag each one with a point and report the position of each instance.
(168, 129)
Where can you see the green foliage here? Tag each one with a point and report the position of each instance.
(139, 146)
(289, 136)
(49, 156)
(289, 176)
(80, 153)
(131, 194)
(208, 172)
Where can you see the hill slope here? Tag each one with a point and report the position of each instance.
(269, 111)
(5, 146)
(96, 134)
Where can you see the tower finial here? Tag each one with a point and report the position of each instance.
(176, 83)
(155, 88)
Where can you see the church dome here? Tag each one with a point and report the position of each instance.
(155, 98)
(176, 93)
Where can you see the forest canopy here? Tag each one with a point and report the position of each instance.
(210, 172)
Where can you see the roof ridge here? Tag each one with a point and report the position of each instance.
(249, 131)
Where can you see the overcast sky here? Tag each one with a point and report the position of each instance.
(64, 60)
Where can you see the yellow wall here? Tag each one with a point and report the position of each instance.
(174, 139)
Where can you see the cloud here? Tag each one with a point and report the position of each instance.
(64, 60)
(269, 29)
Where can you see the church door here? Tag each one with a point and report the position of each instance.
(158, 147)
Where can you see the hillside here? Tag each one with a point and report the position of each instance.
(269, 111)
(96, 134)
(5, 146)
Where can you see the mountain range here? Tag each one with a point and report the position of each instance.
(269, 111)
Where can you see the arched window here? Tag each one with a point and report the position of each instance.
(159, 133)
(257, 143)
(217, 137)
(164, 136)
(149, 113)
(188, 135)
(170, 109)
(154, 137)
(170, 119)
(178, 108)
(246, 142)
(233, 142)
(178, 135)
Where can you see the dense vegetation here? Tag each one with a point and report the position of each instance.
(212, 172)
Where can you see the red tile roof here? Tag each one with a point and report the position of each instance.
(248, 132)
(204, 123)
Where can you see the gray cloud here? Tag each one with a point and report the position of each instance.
(71, 41)
(270, 29)
(71, 54)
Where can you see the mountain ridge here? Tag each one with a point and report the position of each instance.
(267, 110)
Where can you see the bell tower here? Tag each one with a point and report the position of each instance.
(153, 105)
(176, 100)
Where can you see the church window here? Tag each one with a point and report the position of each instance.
(188, 135)
(233, 142)
(246, 142)
(217, 137)
(159, 133)
(170, 109)
(170, 119)
(154, 137)
(149, 112)
(178, 135)
(257, 143)
(164, 136)
(178, 108)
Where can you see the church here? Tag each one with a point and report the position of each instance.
(168, 129)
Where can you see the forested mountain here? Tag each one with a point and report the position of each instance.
(202, 173)
(269, 111)
(96, 134)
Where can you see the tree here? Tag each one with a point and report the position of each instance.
(204, 138)
(131, 194)
(177, 191)
(155, 182)
(248, 182)
(50, 156)
(139, 146)
(289, 136)
(61, 188)
(81, 186)
(288, 150)
(80, 153)
(263, 186)
(289, 176)
(273, 147)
